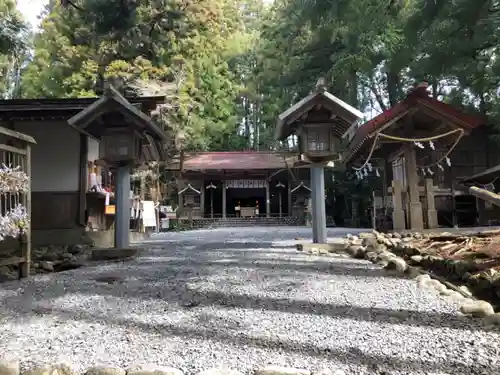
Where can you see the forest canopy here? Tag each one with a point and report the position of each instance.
(229, 67)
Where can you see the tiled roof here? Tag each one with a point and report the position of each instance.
(233, 160)
(418, 96)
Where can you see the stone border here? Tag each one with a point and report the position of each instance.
(384, 250)
(12, 367)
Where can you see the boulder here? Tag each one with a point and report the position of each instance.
(276, 370)
(9, 367)
(47, 266)
(113, 254)
(102, 370)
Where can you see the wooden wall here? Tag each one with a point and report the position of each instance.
(55, 210)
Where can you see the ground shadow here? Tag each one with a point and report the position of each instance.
(233, 336)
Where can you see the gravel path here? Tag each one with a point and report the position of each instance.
(241, 298)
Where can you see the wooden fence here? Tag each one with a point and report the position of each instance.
(15, 155)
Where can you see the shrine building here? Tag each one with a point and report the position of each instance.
(247, 184)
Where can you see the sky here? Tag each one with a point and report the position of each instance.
(31, 9)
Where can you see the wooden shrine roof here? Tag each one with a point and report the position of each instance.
(484, 178)
(342, 115)
(234, 161)
(416, 99)
(64, 108)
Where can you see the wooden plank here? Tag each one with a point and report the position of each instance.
(485, 195)
(12, 261)
(24, 270)
(15, 150)
(12, 133)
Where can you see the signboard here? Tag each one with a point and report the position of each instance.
(148, 214)
(246, 184)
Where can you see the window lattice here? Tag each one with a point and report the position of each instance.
(318, 140)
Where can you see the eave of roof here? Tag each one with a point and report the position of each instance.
(235, 161)
(484, 178)
(416, 97)
(85, 117)
(305, 105)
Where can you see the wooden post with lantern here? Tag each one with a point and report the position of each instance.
(319, 120)
(126, 137)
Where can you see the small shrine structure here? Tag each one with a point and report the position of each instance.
(417, 147)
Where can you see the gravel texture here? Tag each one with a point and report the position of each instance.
(241, 298)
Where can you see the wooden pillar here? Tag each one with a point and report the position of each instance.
(224, 187)
(202, 199)
(398, 214)
(180, 202)
(432, 219)
(414, 206)
(482, 219)
(268, 200)
(289, 196)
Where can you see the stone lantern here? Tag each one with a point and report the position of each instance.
(320, 121)
(127, 137)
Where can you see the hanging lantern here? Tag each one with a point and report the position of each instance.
(377, 172)
(370, 168)
(440, 167)
(431, 145)
(429, 170)
(365, 172)
(423, 172)
(448, 161)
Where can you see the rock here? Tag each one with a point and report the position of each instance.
(422, 281)
(416, 259)
(302, 239)
(275, 370)
(67, 256)
(455, 296)
(76, 249)
(396, 264)
(7, 274)
(47, 266)
(158, 370)
(113, 254)
(396, 235)
(417, 236)
(366, 235)
(369, 242)
(68, 265)
(9, 367)
(412, 271)
(465, 290)
(219, 371)
(437, 286)
(101, 370)
(477, 308)
(61, 369)
(493, 319)
(371, 256)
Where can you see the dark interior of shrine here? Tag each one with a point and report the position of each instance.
(246, 197)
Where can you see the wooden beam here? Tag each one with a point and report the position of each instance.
(82, 183)
(485, 195)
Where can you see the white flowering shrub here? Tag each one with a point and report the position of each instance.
(13, 181)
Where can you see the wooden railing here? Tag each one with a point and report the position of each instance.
(15, 195)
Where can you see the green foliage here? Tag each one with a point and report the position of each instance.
(13, 47)
(183, 49)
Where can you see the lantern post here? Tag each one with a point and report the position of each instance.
(320, 121)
